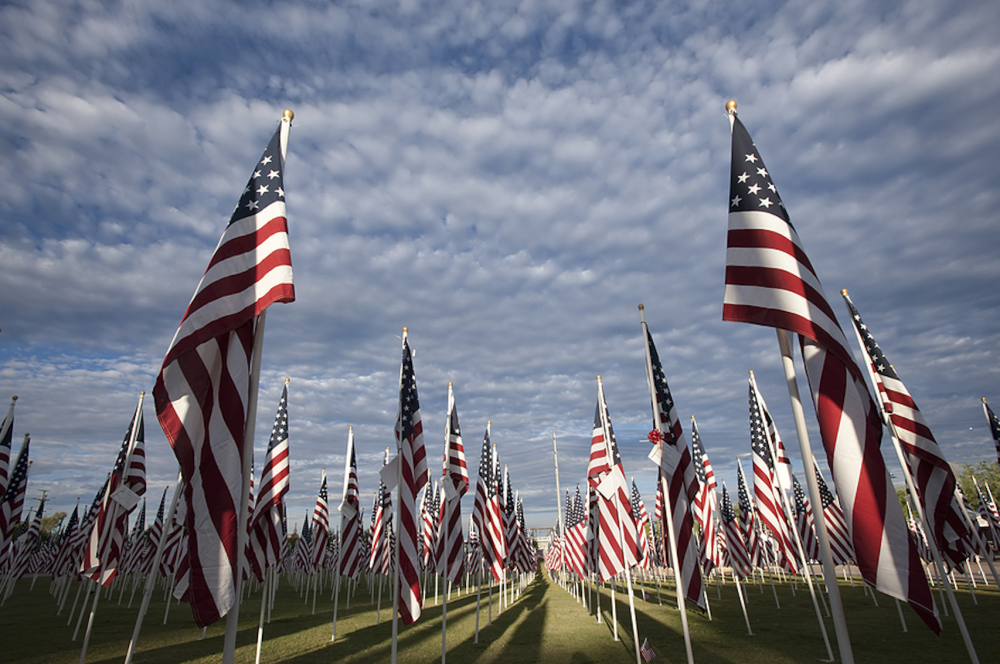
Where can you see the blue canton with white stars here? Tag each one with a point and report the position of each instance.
(265, 185)
(750, 186)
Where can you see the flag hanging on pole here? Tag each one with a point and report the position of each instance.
(932, 476)
(677, 475)
(486, 512)
(747, 519)
(12, 501)
(350, 515)
(994, 423)
(767, 493)
(413, 476)
(770, 282)
(705, 502)
(805, 521)
(836, 526)
(202, 390)
(736, 549)
(455, 484)
(7, 438)
(320, 526)
(265, 524)
(380, 555)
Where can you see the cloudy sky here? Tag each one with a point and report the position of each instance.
(508, 180)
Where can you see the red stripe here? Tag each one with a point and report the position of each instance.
(759, 238)
(778, 279)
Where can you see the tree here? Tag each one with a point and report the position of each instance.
(50, 522)
(984, 472)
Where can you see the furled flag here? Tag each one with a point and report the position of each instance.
(486, 512)
(350, 515)
(125, 486)
(836, 526)
(677, 474)
(155, 533)
(202, 390)
(705, 505)
(320, 526)
(428, 528)
(994, 423)
(932, 476)
(641, 517)
(646, 651)
(265, 524)
(770, 282)
(413, 477)
(747, 518)
(736, 549)
(7, 437)
(766, 491)
(12, 501)
(617, 538)
(455, 484)
(805, 521)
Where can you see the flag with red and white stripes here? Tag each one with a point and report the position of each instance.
(413, 476)
(201, 392)
(748, 521)
(736, 549)
(126, 484)
(677, 475)
(617, 537)
(379, 553)
(641, 517)
(770, 282)
(455, 484)
(6, 439)
(705, 503)
(576, 549)
(932, 476)
(350, 515)
(486, 512)
(12, 502)
(836, 525)
(805, 521)
(265, 523)
(320, 526)
(767, 493)
(994, 424)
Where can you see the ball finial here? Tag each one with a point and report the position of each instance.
(731, 106)
(289, 115)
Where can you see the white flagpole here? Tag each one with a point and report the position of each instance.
(168, 519)
(826, 554)
(444, 524)
(340, 549)
(668, 507)
(398, 520)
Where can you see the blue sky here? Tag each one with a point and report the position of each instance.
(508, 180)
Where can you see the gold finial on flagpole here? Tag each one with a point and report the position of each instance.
(449, 383)
(642, 307)
(14, 398)
(288, 115)
(731, 106)
(984, 399)
(287, 380)
(843, 291)
(142, 393)
(751, 373)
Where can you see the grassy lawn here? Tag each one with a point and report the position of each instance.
(545, 625)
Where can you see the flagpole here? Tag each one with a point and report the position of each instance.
(668, 507)
(151, 576)
(397, 518)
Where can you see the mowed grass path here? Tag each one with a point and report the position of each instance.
(546, 624)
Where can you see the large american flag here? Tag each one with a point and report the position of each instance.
(994, 423)
(265, 524)
(6, 438)
(677, 474)
(201, 392)
(932, 476)
(770, 282)
(12, 502)
(413, 477)
(486, 512)
(767, 493)
(350, 515)
(128, 480)
(455, 484)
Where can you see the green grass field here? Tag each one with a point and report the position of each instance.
(545, 625)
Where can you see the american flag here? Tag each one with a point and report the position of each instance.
(932, 476)
(430, 504)
(641, 517)
(320, 525)
(617, 537)
(27, 545)
(577, 551)
(988, 511)
(6, 438)
(705, 502)
(155, 533)
(836, 526)
(12, 502)
(413, 477)
(805, 521)
(62, 564)
(201, 392)
(994, 423)
(486, 512)
(766, 491)
(275, 481)
(126, 484)
(350, 515)
(770, 282)
(646, 651)
(380, 554)
(747, 518)
(736, 550)
(455, 484)
(919, 537)
(677, 475)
